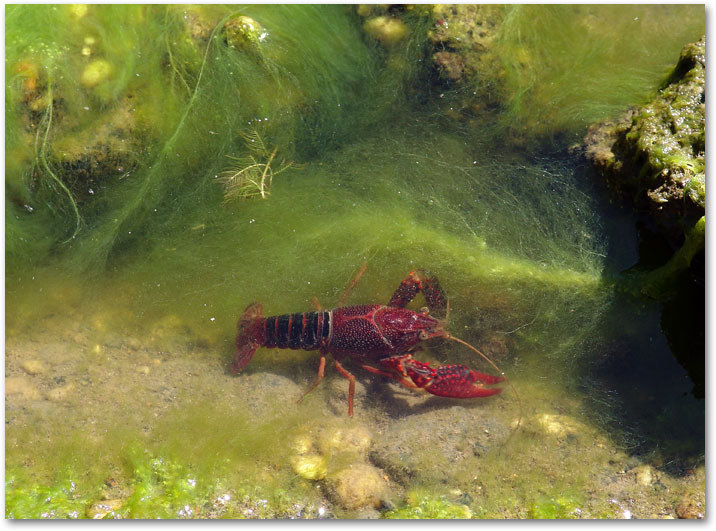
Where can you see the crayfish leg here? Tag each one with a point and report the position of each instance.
(402, 379)
(319, 377)
(415, 282)
(351, 386)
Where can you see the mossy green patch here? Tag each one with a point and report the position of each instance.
(555, 508)
(422, 504)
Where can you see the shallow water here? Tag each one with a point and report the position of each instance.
(119, 339)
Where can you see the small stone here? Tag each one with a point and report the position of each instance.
(103, 508)
(360, 485)
(58, 394)
(644, 475)
(33, 367)
(311, 467)
(143, 369)
(244, 33)
(95, 73)
(689, 509)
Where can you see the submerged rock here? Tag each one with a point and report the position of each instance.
(33, 367)
(244, 33)
(311, 467)
(463, 38)
(357, 486)
(387, 30)
(690, 509)
(98, 71)
(655, 154)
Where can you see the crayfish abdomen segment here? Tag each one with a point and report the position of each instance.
(296, 330)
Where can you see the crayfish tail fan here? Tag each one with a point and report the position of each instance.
(246, 340)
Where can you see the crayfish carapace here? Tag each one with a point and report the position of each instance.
(379, 338)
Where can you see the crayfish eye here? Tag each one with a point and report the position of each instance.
(423, 335)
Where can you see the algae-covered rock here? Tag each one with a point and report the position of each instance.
(389, 31)
(95, 73)
(690, 509)
(462, 37)
(359, 485)
(311, 467)
(244, 33)
(103, 153)
(655, 154)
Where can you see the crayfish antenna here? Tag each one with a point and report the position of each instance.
(488, 360)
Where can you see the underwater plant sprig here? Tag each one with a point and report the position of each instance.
(252, 175)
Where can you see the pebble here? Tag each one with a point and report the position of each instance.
(644, 475)
(689, 509)
(33, 367)
(360, 485)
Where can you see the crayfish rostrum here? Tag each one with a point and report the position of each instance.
(379, 338)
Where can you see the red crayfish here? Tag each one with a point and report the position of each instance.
(380, 338)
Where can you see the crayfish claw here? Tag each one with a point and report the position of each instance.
(454, 381)
(458, 381)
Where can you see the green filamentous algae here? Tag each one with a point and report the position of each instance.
(167, 165)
